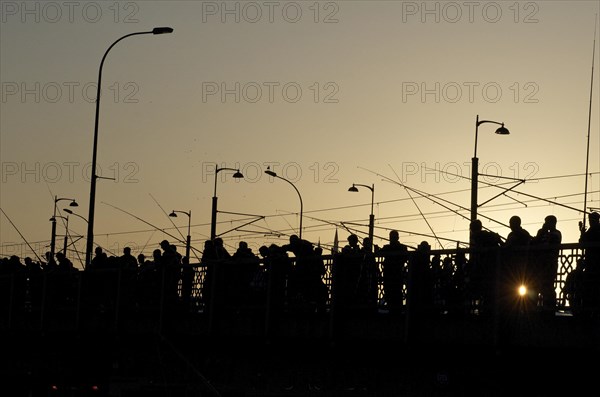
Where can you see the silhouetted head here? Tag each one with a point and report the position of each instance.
(218, 242)
(294, 239)
(263, 251)
(141, 258)
(98, 251)
(476, 226)
(394, 236)
(164, 245)
(594, 218)
(127, 251)
(514, 222)
(156, 254)
(424, 246)
(550, 221)
(353, 240)
(243, 245)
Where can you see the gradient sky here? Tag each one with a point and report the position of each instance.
(328, 93)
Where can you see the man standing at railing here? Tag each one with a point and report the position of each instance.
(591, 273)
(394, 255)
(516, 271)
(482, 266)
(549, 238)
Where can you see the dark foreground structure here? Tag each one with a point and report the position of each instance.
(246, 328)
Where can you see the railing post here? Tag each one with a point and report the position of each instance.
(118, 299)
(11, 301)
(496, 300)
(78, 305)
(333, 300)
(212, 269)
(268, 263)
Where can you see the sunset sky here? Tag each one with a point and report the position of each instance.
(326, 93)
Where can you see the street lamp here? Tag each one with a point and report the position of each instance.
(90, 231)
(475, 163)
(53, 219)
(274, 175)
(68, 211)
(189, 239)
(213, 222)
(354, 188)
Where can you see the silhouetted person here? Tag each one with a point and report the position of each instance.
(170, 271)
(220, 250)
(149, 277)
(298, 284)
(50, 262)
(395, 255)
(548, 240)
(367, 293)
(319, 293)
(64, 264)
(483, 263)
(515, 271)
(239, 274)
(128, 261)
(347, 274)
(99, 261)
(279, 267)
(590, 275)
(420, 285)
(34, 273)
(460, 282)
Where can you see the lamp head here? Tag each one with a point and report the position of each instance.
(353, 188)
(269, 172)
(173, 214)
(73, 204)
(68, 211)
(162, 30)
(502, 130)
(238, 174)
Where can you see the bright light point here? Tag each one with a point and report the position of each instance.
(522, 290)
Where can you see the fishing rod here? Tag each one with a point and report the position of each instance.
(167, 215)
(498, 185)
(175, 226)
(519, 192)
(429, 195)
(416, 205)
(24, 239)
(142, 220)
(156, 228)
(587, 157)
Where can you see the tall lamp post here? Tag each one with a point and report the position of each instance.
(274, 175)
(189, 239)
(475, 163)
(90, 231)
(53, 219)
(354, 188)
(213, 221)
(66, 218)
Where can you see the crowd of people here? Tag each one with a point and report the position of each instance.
(362, 277)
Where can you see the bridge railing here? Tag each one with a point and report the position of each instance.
(441, 282)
